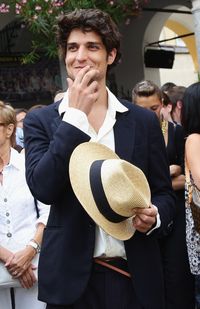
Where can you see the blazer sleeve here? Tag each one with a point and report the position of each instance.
(47, 150)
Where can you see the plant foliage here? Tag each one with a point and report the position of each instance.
(40, 16)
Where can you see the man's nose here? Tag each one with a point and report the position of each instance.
(81, 54)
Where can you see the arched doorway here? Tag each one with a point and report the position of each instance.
(168, 25)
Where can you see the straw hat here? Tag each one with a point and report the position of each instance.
(108, 188)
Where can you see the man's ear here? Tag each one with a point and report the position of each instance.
(111, 56)
(169, 107)
(179, 104)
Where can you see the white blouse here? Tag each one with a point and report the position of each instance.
(18, 216)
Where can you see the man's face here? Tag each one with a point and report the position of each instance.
(86, 48)
(20, 118)
(152, 102)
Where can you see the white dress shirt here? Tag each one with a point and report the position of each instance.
(18, 217)
(105, 245)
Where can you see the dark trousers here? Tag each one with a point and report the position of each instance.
(197, 291)
(12, 296)
(106, 289)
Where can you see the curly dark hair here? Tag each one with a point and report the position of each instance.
(88, 20)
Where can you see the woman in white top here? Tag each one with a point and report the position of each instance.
(191, 123)
(21, 229)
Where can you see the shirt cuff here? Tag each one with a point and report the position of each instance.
(42, 219)
(43, 213)
(76, 118)
(158, 222)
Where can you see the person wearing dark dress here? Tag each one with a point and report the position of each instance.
(179, 283)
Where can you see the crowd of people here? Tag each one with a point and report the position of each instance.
(27, 84)
(120, 230)
(178, 279)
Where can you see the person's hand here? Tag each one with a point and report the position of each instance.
(83, 91)
(145, 218)
(28, 279)
(1, 164)
(18, 262)
(175, 170)
(5, 254)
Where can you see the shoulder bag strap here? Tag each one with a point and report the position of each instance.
(188, 181)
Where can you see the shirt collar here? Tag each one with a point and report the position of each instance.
(17, 159)
(114, 105)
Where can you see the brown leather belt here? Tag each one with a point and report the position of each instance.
(115, 264)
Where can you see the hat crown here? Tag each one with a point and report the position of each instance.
(122, 186)
(108, 190)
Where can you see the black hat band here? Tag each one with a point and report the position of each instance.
(99, 194)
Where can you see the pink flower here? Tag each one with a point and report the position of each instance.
(4, 8)
(18, 6)
(57, 3)
(38, 8)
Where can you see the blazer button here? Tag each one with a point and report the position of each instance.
(170, 225)
(91, 224)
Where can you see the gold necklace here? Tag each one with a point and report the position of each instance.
(164, 125)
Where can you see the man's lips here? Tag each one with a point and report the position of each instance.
(79, 68)
(82, 67)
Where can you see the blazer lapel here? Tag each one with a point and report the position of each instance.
(57, 120)
(124, 132)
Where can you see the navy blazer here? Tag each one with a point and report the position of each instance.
(69, 237)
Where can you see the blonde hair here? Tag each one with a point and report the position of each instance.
(8, 116)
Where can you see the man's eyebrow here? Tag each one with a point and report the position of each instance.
(94, 42)
(89, 42)
(71, 43)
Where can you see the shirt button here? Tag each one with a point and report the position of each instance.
(5, 200)
(9, 235)
(8, 221)
(7, 214)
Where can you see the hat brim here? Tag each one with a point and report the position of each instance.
(80, 180)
